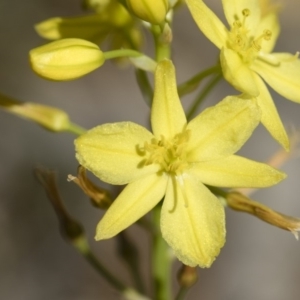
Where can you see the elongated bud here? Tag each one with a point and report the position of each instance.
(66, 59)
(240, 202)
(152, 11)
(49, 117)
(86, 27)
(187, 276)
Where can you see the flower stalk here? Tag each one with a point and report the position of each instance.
(161, 261)
(202, 95)
(73, 232)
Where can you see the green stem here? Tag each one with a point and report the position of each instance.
(76, 129)
(144, 85)
(122, 53)
(162, 47)
(190, 85)
(73, 232)
(208, 88)
(161, 261)
(82, 246)
(182, 293)
(129, 253)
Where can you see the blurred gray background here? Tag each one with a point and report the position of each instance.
(257, 262)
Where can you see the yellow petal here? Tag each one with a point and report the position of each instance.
(237, 72)
(110, 151)
(192, 221)
(217, 132)
(208, 22)
(233, 9)
(235, 171)
(167, 115)
(269, 22)
(284, 78)
(269, 115)
(135, 201)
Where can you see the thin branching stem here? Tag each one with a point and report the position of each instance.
(190, 85)
(199, 99)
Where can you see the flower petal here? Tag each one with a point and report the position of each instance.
(110, 151)
(284, 78)
(192, 221)
(217, 132)
(235, 171)
(167, 115)
(233, 10)
(208, 22)
(269, 22)
(269, 115)
(136, 200)
(237, 73)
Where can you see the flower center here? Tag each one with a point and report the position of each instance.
(240, 41)
(169, 154)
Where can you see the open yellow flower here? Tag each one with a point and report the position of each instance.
(246, 56)
(174, 162)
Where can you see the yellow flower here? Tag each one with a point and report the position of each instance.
(246, 56)
(66, 59)
(174, 162)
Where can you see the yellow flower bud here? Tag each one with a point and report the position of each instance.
(66, 59)
(49, 117)
(86, 27)
(152, 11)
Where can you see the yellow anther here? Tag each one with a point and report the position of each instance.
(169, 154)
(267, 34)
(246, 12)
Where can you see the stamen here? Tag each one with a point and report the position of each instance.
(169, 154)
(242, 42)
(245, 13)
(267, 34)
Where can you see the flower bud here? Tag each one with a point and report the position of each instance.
(152, 11)
(187, 276)
(66, 59)
(49, 117)
(95, 4)
(86, 27)
(240, 202)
